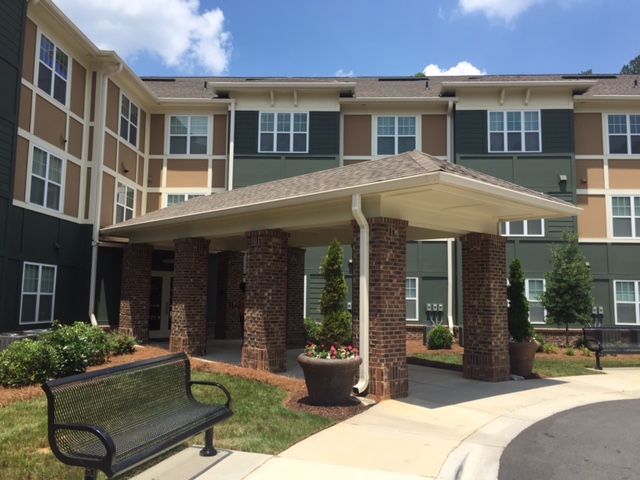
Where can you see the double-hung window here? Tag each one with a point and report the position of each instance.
(38, 293)
(175, 199)
(46, 179)
(412, 298)
(129, 121)
(396, 135)
(627, 301)
(188, 135)
(525, 228)
(624, 134)
(514, 131)
(625, 215)
(534, 287)
(53, 70)
(125, 197)
(284, 132)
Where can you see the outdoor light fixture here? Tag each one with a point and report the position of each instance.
(562, 178)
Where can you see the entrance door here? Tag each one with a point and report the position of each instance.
(160, 305)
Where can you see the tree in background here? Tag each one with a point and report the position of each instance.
(632, 67)
(567, 297)
(518, 310)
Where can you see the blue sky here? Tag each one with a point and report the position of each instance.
(290, 38)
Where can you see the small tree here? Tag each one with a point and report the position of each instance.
(335, 328)
(567, 297)
(518, 311)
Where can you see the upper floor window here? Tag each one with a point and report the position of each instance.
(625, 214)
(46, 180)
(284, 132)
(129, 121)
(396, 135)
(125, 197)
(412, 298)
(188, 135)
(514, 131)
(534, 287)
(173, 199)
(38, 292)
(53, 70)
(624, 133)
(525, 228)
(627, 301)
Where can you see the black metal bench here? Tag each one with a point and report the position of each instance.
(612, 340)
(115, 419)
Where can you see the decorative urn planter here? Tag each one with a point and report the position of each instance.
(522, 356)
(329, 381)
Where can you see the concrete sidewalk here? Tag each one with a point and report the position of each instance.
(448, 428)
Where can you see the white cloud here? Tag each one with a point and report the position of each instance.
(505, 10)
(342, 73)
(462, 68)
(173, 30)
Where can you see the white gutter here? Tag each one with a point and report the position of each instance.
(232, 136)
(356, 209)
(450, 159)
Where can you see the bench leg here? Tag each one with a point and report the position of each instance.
(90, 474)
(598, 367)
(208, 450)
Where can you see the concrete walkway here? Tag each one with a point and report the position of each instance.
(448, 428)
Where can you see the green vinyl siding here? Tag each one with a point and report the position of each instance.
(260, 169)
(557, 131)
(324, 133)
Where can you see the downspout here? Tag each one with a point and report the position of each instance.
(450, 240)
(232, 136)
(356, 209)
(98, 157)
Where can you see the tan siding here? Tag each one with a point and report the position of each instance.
(21, 169)
(353, 162)
(25, 109)
(588, 133)
(592, 221)
(156, 134)
(87, 193)
(140, 179)
(624, 174)
(113, 106)
(30, 41)
(143, 131)
(155, 173)
(139, 195)
(78, 88)
(357, 135)
(153, 201)
(128, 162)
(50, 123)
(110, 151)
(434, 134)
(218, 174)
(72, 190)
(108, 200)
(220, 135)
(90, 156)
(74, 145)
(187, 173)
(93, 95)
(590, 173)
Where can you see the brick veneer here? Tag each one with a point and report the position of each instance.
(484, 308)
(189, 307)
(135, 291)
(230, 274)
(265, 328)
(295, 298)
(387, 305)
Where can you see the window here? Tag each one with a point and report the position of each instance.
(533, 289)
(53, 70)
(176, 199)
(38, 291)
(625, 214)
(396, 135)
(284, 132)
(627, 301)
(514, 131)
(129, 121)
(624, 133)
(412, 299)
(46, 180)
(189, 135)
(526, 228)
(124, 202)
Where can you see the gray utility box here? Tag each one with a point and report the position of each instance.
(8, 338)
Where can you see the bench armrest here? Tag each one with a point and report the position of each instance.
(101, 434)
(214, 384)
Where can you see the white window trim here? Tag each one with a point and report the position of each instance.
(47, 180)
(188, 136)
(129, 122)
(628, 134)
(506, 226)
(414, 299)
(395, 136)
(291, 133)
(186, 196)
(53, 71)
(522, 131)
(126, 208)
(526, 294)
(634, 233)
(38, 293)
(636, 286)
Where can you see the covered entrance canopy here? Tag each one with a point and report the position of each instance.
(412, 196)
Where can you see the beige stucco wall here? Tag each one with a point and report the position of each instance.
(589, 174)
(592, 221)
(357, 135)
(588, 133)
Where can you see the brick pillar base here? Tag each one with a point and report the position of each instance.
(189, 307)
(295, 298)
(484, 305)
(265, 326)
(135, 291)
(230, 274)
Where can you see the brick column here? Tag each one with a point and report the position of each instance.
(265, 326)
(230, 274)
(135, 291)
(387, 305)
(295, 298)
(484, 305)
(189, 307)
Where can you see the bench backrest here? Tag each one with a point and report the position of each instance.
(614, 338)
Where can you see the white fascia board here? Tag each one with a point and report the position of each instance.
(413, 100)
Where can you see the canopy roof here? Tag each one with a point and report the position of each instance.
(437, 198)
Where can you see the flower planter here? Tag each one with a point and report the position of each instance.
(522, 356)
(329, 381)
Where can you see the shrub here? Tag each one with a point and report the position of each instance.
(120, 344)
(570, 352)
(586, 352)
(518, 310)
(549, 348)
(311, 331)
(439, 338)
(27, 362)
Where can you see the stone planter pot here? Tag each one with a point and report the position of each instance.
(522, 356)
(329, 381)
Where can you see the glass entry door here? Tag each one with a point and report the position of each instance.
(160, 304)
